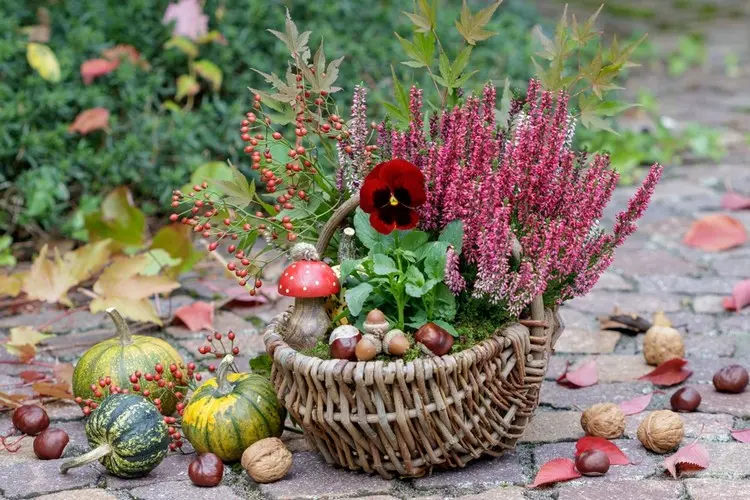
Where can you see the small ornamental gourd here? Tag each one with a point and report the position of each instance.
(127, 435)
(228, 413)
(123, 355)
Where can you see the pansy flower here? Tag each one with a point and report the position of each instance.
(391, 193)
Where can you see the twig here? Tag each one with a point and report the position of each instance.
(58, 318)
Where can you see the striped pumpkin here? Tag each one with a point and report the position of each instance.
(123, 355)
(227, 414)
(127, 435)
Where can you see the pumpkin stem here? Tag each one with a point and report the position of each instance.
(101, 451)
(123, 332)
(225, 387)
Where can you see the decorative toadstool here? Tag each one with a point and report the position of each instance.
(309, 281)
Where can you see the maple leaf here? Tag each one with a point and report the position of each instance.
(50, 280)
(295, 41)
(190, 21)
(23, 341)
(123, 286)
(11, 284)
(471, 26)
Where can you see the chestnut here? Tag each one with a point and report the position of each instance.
(433, 339)
(206, 470)
(395, 343)
(368, 348)
(30, 419)
(685, 399)
(592, 463)
(732, 379)
(343, 342)
(50, 444)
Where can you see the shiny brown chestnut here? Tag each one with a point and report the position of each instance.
(732, 379)
(433, 339)
(592, 463)
(50, 444)
(206, 470)
(30, 419)
(343, 342)
(685, 399)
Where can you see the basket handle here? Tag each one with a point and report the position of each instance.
(330, 227)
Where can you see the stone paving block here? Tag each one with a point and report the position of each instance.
(645, 262)
(484, 473)
(683, 285)
(87, 494)
(24, 454)
(717, 489)
(711, 304)
(552, 426)
(694, 323)
(72, 345)
(609, 368)
(731, 267)
(620, 490)
(63, 411)
(574, 340)
(643, 464)
(611, 281)
(736, 324)
(728, 460)
(576, 319)
(712, 427)
(716, 402)
(169, 490)
(698, 346)
(312, 477)
(76, 432)
(223, 322)
(558, 396)
(604, 302)
(57, 320)
(501, 492)
(40, 477)
(174, 467)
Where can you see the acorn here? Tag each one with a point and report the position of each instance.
(376, 324)
(395, 343)
(369, 347)
(433, 340)
(343, 342)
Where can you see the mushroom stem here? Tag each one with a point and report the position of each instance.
(309, 321)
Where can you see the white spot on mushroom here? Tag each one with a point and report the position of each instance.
(304, 288)
(317, 283)
(286, 274)
(287, 290)
(291, 278)
(294, 266)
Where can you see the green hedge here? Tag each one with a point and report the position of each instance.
(50, 177)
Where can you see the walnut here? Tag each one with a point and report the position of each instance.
(661, 344)
(605, 420)
(661, 431)
(267, 460)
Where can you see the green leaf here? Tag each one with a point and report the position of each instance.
(446, 326)
(295, 41)
(261, 365)
(421, 23)
(445, 69)
(348, 266)
(239, 191)
(433, 248)
(183, 44)
(413, 240)
(186, 86)
(434, 265)
(357, 296)
(159, 259)
(210, 71)
(453, 234)
(471, 26)
(177, 241)
(462, 59)
(118, 219)
(364, 231)
(384, 265)
(445, 302)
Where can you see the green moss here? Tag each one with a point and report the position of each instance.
(319, 351)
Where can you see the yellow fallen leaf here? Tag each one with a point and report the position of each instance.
(22, 338)
(44, 61)
(135, 309)
(59, 391)
(11, 284)
(50, 280)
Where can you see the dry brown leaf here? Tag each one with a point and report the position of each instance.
(50, 280)
(24, 338)
(63, 373)
(11, 284)
(60, 391)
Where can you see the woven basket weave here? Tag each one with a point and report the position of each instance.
(404, 419)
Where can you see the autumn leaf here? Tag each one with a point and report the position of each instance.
(615, 454)
(555, 471)
(23, 341)
(735, 201)
(636, 405)
(39, 32)
(583, 376)
(90, 120)
(63, 373)
(186, 86)
(629, 323)
(94, 68)
(11, 284)
(49, 280)
(117, 219)
(669, 373)
(55, 390)
(209, 71)
(125, 51)
(715, 233)
(740, 296)
(196, 316)
(123, 286)
(741, 435)
(471, 26)
(44, 61)
(32, 376)
(159, 260)
(688, 458)
(189, 19)
(176, 240)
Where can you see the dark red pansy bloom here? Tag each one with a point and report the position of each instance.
(391, 193)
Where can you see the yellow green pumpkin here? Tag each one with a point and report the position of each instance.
(228, 413)
(123, 355)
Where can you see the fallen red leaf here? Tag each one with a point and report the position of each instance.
(554, 471)
(636, 405)
(735, 201)
(90, 120)
(691, 457)
(740, 296)
(583, 376)
(668, 373)
(239, 296)
(196, 316)
(729, 304)
(31, 376)
(715, 233)
(125, 51)
(63, 373)
(94, 68)
(615, 454)
(741, 435)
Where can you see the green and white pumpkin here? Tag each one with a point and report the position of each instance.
(123, 355)
(127, 435)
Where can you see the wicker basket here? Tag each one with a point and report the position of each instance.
(404, 419)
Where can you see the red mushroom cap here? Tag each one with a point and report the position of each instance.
(308, 279)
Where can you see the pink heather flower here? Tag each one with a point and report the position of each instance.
(453, 277)
(352, 165)
(625, 221)
(190, 21)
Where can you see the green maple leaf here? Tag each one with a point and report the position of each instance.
(471, 26)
